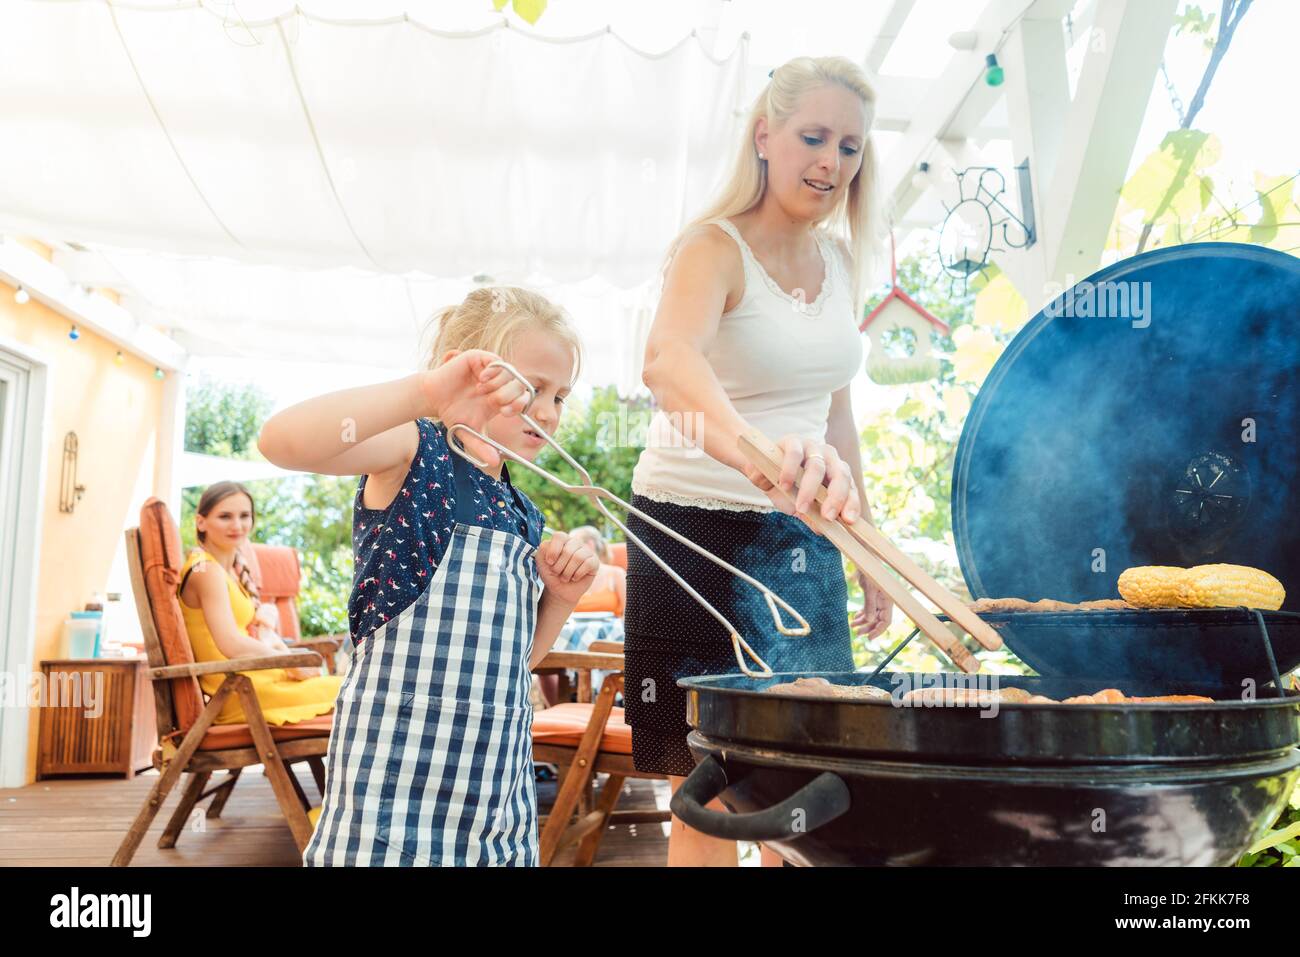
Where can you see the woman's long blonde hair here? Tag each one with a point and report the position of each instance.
(854, 214)
(493, 317)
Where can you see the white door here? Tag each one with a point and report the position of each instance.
(22, 388)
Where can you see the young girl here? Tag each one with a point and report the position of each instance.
(430, 759)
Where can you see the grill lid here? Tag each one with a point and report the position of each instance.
(1148, 416)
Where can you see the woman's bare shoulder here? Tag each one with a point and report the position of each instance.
(201, 585)
(707, 241)
(706, 254)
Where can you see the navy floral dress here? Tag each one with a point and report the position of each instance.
(396, 549)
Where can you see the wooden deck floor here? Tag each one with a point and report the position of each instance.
(80, 822)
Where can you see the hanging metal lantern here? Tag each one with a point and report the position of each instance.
(968, 232)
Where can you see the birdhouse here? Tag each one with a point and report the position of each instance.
(899, 330)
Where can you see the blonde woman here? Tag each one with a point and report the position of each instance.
(430, 758)
(756, 328)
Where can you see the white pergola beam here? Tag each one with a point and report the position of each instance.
(898, 100)
(1078, 150)
(948, 94)
(171, 444)
(890, 27)
(1038, 106)
(1127, 42)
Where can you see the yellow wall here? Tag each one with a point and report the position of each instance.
(115, 411)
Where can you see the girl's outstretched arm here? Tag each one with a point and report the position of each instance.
(371, 428)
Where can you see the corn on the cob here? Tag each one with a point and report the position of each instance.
(1151, 586)
(1203, 586)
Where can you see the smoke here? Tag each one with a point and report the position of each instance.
(1075, 452)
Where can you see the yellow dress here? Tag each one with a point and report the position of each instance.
(283, 700)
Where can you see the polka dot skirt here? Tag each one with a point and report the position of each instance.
(669, 635)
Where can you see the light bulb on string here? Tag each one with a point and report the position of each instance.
(920, 179)
(119, 358)
(22, 296)
(993, 74)
(74, 333)
(158, 373)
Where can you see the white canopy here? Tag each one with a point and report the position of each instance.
(384, 145)
(378, 154)
(262, 178)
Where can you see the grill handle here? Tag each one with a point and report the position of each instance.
(818, 802)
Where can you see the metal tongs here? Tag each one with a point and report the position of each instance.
(595, 493)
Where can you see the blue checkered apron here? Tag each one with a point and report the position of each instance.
(430, 759)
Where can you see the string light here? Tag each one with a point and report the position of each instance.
(119, 358)
(993, 74)
(158, 373)
(22, 297)
(74, 333)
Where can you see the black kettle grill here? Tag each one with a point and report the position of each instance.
(1147, 416)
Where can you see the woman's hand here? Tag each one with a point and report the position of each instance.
(294, 674)
(302, 673)
(464, 390)
(877, 609)
(822, 465)
(567, 566)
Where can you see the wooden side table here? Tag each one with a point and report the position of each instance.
(120, 734)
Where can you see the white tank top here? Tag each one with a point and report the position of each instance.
(778, 358)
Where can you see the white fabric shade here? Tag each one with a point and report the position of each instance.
(313, 188)
(261, 179)
(347, 316)
(385, 146)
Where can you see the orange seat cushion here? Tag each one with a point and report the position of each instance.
(223, 736)
(565, 724)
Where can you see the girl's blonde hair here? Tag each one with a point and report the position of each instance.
(854, 213)
(493, 317)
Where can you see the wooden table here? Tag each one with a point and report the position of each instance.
(119, 734)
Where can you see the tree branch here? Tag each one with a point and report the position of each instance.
(1229, 18)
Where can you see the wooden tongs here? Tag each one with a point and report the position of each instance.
(871, 552)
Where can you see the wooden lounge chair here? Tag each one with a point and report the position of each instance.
(188, 741)
(584, 738)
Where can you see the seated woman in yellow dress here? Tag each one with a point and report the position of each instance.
(219, 603)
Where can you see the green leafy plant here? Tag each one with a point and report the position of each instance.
(530, 11)
(1280, 847)
(224, 420)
